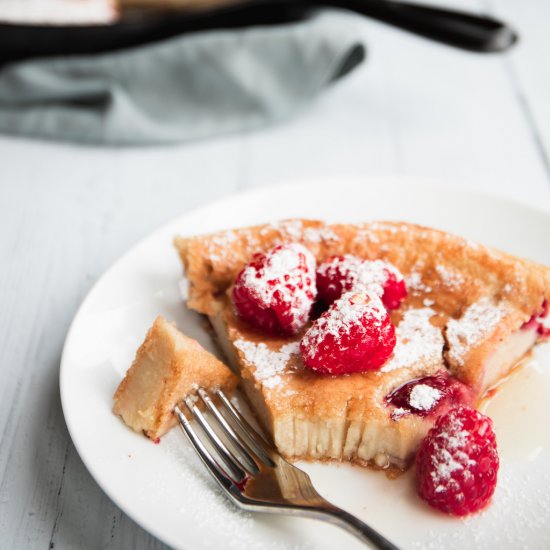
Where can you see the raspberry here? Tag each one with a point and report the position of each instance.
(429, 395)
(457, 463)
(540, 322)
(354, 335)
(348, 273)
(276, 290)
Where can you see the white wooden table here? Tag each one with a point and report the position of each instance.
(66, 213)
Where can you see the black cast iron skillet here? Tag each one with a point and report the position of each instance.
(455, 28)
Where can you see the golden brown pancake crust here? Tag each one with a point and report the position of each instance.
(449, 273)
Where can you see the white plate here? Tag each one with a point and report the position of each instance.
(164, 487)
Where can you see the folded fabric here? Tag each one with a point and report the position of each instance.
(189, 87)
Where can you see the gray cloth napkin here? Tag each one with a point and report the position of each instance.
(185, 88)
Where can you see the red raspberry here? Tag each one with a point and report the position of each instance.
(348, 273)
(428, 396)
(354, 335)
(276, 290)
(540, 322)
(457, 463)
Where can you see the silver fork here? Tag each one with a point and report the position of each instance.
(254, 475)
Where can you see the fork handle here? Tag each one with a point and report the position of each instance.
(353, 525)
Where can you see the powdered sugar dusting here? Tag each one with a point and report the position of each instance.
(417, 340)
(452, 279)
(399, 412)
(204, 507)
(360, 275)
(424, 397)
(479, 320)
(366, 234)
(219, 244)
(345, 314)
(269, 364)
(387, 226)
(283, 279)
(316, 235)
(517, 517)
(447, 457)
(280, 264)
(414, 283)
(294, 230)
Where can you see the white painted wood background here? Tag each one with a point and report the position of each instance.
(66, 213)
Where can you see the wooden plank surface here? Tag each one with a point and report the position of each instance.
(66, 213)
(528, 70)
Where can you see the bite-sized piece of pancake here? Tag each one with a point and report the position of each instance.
(168, 366)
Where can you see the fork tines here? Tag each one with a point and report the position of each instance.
(241, 450)
(235, 453)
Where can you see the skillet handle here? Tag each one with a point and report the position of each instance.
(452, 27)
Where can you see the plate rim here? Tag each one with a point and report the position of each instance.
(436, 184)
